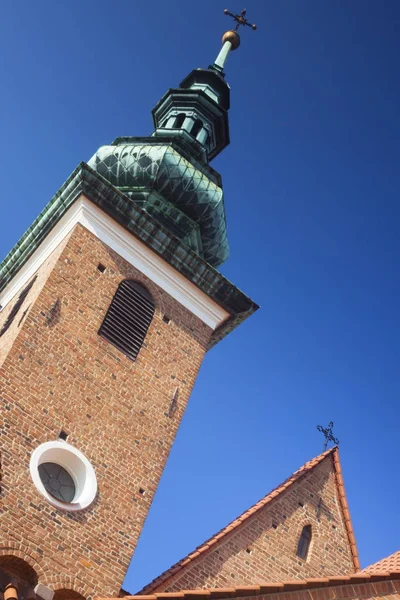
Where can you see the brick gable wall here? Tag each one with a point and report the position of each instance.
(263, 548)
(58, 373)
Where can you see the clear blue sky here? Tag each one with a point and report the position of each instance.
(311, 183)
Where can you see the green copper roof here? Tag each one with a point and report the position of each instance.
(146, 228)
(182, 193)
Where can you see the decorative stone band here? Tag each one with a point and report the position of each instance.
(86, 197)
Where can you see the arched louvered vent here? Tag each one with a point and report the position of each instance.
(128, 318)
(17, 306)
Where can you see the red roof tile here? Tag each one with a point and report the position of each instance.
(390, 563)
(272, 588)
(306, 468)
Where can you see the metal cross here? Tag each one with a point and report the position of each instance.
(240, 19)
(329, 437)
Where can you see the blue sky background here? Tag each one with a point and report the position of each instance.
(311, 182)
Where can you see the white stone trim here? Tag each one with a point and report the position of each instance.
(77, 465)
(131, 249)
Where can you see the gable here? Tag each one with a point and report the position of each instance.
(261, 545)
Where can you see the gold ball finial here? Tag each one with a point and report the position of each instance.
(232, 37)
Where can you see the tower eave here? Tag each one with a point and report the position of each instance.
(143, 226)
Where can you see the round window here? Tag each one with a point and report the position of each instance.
(63, 475)
(57, 481)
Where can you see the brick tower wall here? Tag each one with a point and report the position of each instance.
(58, 373)
(263, 548)
(7, 340)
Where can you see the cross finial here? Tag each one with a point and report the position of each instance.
(230, 40)
(327, 432)
(240, 19)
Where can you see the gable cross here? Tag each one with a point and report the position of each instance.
(327, 432)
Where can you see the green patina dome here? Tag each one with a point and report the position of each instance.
(182, 193)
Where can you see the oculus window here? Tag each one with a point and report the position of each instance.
(57, 481)
(63, 475)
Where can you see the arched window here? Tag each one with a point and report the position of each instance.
(197, 127)
(128, 318)
(17, 306)
(304, 542)
(179, 120)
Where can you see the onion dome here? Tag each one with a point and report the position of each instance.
(165, 179)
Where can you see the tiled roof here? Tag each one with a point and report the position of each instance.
(345, 509)
(390, 563)
(289, 586)
(306, 468)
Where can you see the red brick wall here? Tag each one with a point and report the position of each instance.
(263, 548)
(62, 375)
(7, 340)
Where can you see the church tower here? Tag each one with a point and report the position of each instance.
(109, 302)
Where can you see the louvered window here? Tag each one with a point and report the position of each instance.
(128, 318)
(304, 542)
(17, 306)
